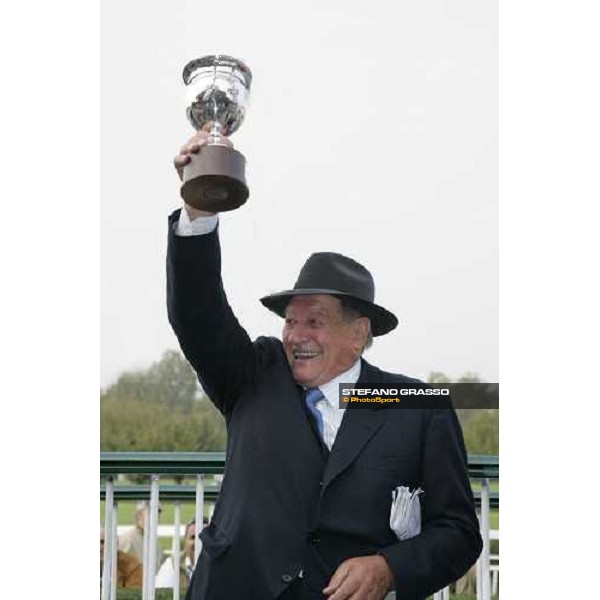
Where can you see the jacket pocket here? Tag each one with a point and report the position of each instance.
(214, 540)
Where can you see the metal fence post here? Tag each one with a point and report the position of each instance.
(199, 515)
(176, 557)
(485, 534)
(115, 556)
(152, 535)
(108, 550)
(145, 555)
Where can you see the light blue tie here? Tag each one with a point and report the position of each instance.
(312, 397)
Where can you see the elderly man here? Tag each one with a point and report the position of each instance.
(304, 508)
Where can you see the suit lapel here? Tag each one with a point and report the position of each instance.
(357, 428)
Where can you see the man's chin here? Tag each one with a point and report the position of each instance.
(304, 373)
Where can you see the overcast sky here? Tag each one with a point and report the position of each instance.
(372, 131)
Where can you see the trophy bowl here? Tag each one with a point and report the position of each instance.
(217, 92)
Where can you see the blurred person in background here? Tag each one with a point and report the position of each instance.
(132, 541)
(129, 568)
(165, 576)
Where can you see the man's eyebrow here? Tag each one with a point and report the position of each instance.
(312, 312)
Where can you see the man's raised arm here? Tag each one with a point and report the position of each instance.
(210, 336)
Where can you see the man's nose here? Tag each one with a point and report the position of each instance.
(297, 334)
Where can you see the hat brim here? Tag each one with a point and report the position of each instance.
(382, 320)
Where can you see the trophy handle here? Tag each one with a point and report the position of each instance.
(214, 180)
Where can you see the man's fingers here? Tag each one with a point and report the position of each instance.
(193, 146)
(181, 160)
(199, 136)
(346, 590)
(226, 141)
(336, 580)
(361, 578)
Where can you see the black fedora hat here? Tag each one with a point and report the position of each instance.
(336, 275)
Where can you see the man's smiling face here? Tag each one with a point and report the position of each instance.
(319, 343)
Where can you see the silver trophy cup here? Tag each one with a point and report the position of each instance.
(217, 93)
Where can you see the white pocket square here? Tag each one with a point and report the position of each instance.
(405, 516)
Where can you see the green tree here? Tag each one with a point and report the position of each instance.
(170, 381)
(481, 432)
(480, 426)
(436, 377)
(160, 409)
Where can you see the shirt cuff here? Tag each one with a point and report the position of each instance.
(199, 226)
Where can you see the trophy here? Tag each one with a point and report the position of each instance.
(217, 93)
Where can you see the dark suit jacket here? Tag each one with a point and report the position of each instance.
(287, 505)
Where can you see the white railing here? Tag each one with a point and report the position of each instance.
(483, 468)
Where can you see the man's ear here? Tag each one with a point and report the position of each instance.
(361, 331)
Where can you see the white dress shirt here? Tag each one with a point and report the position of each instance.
(330, 407)
(199, 226)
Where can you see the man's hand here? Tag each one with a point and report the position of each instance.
(191, 147)
(363, 578)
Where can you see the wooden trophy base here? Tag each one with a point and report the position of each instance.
(214, 179)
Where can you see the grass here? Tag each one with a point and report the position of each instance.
(167, 515)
